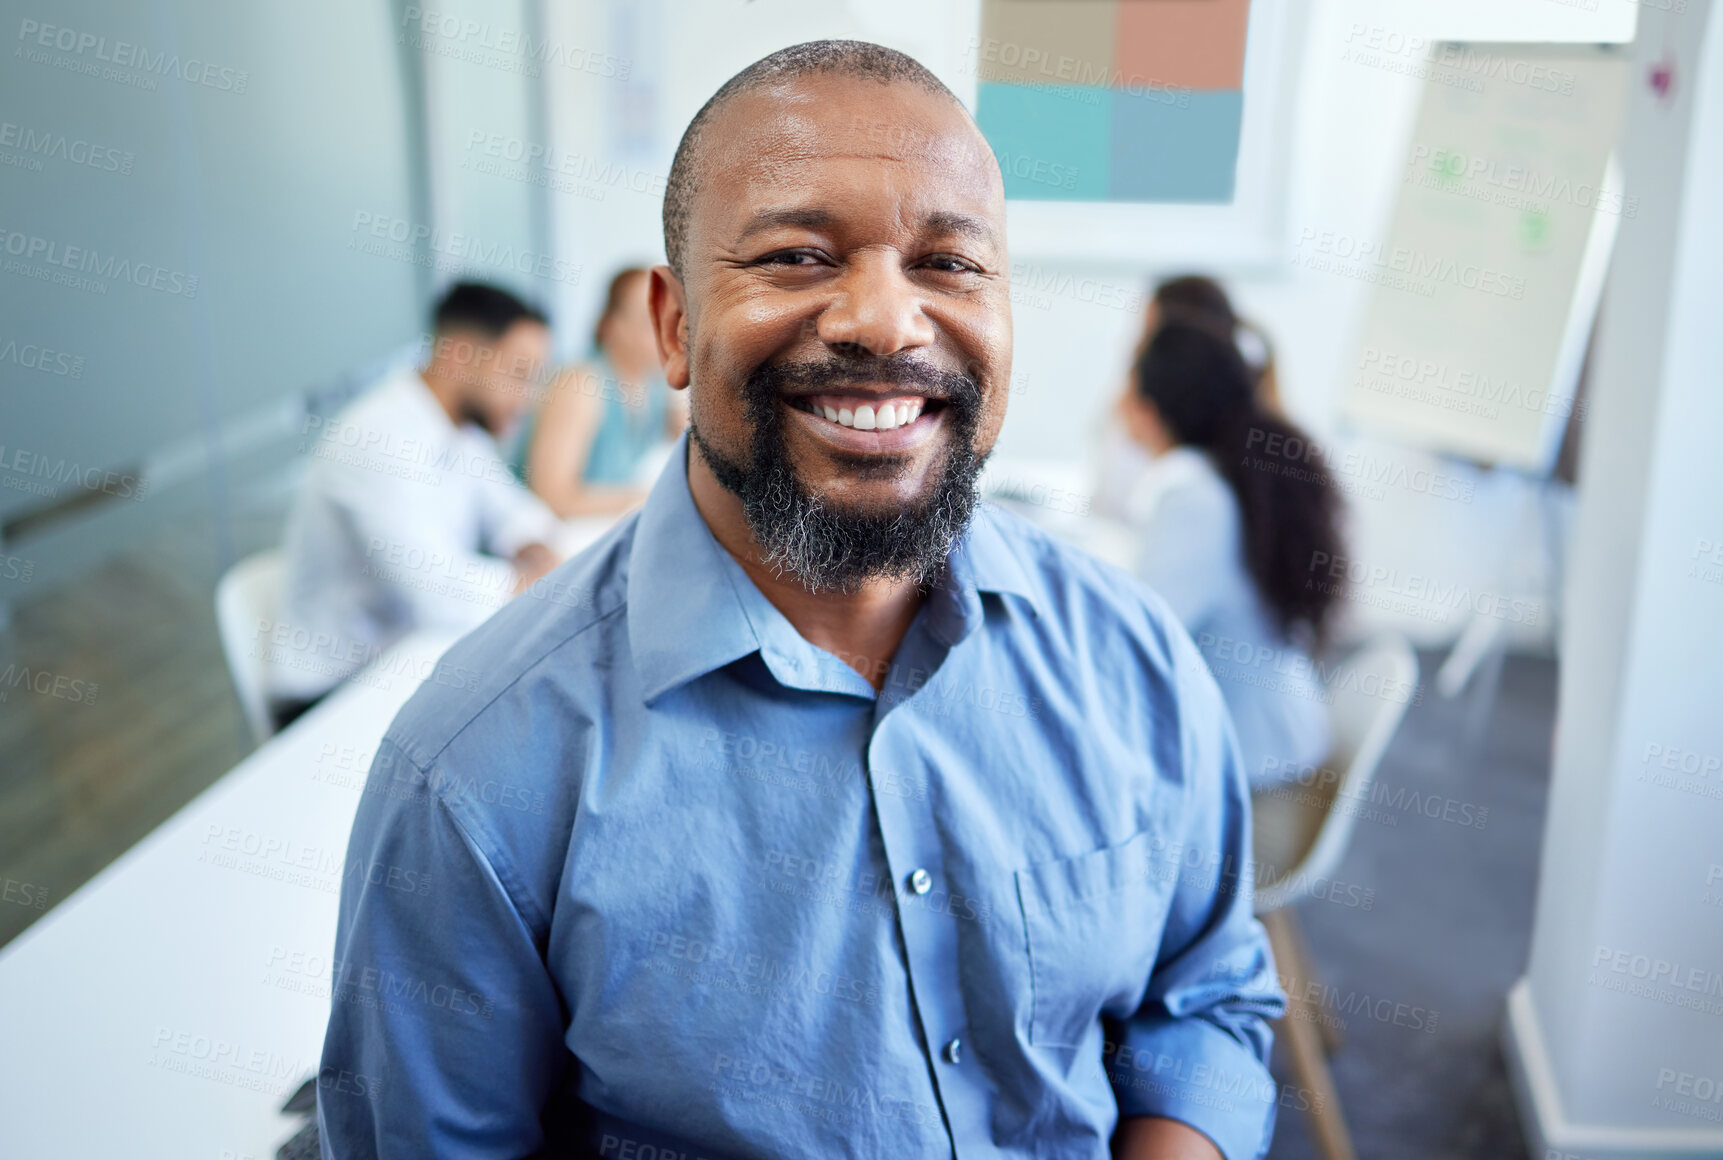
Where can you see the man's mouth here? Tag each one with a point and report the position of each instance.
(866, 412)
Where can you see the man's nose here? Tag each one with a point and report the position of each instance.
(877, 308)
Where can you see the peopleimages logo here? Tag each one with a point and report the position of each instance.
(1456, 171)
(1322, 249)
(449, 35)
(534, 159)
(55, 256)
(1280, 454)
(1038, 170)
(59, 147)
(46, 684)
(1425, 596)
(1073, 71)
(1449, 62)
(88, 52)
(38, 474)
(391, 237)
(1376, 365)
(36, 357)
(1080, 288)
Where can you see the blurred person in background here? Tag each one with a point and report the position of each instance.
(408, 518)
(1228, 523)
(585, 451)
(1199, 301)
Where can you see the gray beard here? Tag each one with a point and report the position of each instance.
(825, 548)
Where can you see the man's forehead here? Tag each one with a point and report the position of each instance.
(769, 132)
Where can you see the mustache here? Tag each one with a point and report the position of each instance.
(805, 378)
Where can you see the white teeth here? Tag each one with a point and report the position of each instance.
(886, 417)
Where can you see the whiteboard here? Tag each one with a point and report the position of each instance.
(1484, 284)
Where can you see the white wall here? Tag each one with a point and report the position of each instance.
(1622, 1004)
(482, 62)
(1347, 131)
(1350, 131)
(609, 216)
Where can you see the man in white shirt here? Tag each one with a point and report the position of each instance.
(408, 517)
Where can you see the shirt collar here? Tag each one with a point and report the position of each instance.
(413, 388)
(416, 392)
(994, 555)
(692, 609)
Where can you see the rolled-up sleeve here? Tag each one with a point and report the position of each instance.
(1197, 1049)
(445, 1026)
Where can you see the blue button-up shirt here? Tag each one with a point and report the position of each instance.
(660, 870)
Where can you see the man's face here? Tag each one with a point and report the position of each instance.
(500, 377)
(847, 321)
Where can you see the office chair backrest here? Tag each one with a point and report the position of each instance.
(1306, 826)
(249, 595)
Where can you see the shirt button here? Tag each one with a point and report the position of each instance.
(921, 882)
(954, 1051)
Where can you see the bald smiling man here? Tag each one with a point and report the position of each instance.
(824, 811)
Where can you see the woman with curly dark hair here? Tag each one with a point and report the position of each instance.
(1231, 514)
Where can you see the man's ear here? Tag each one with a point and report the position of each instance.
(669, 306)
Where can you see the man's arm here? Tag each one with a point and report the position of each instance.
(531, 563)
(1196, 1050)
(409, 541)
(445, 1027)
(1155, 1138)
(512, 516)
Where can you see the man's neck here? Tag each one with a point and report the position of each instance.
(447, 392)
(862, 628)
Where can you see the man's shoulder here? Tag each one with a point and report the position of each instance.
(561, 634)
(390, 411)
(388, 398)
(1079, 590)
(1114, 645)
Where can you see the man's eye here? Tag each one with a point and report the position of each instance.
(789, 258)
(947, 264)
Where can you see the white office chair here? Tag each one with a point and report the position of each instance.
(250, 593)
(1299, 835)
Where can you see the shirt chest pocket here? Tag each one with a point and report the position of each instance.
(1094, 927)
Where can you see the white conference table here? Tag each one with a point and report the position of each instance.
(169, 1006)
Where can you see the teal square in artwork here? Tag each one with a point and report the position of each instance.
(1052, 142)
(1178, 145)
